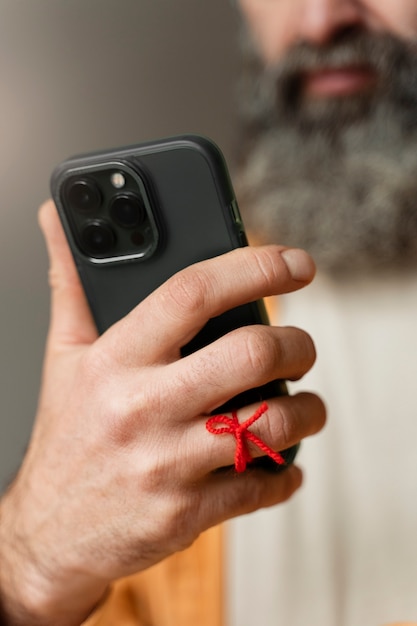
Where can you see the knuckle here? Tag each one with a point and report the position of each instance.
(179, 520)
(182, 528)
(132, 415)
(270, 266)
(269, 489)
(121, 405)
(91, 365)
(188, 291)
(252, 499)
(287, 432)
(96, 366)
(247, 496)
(274, 429)
(281, 429)
(294, 417)
(258, 480)
(257, 495)
(153, 472)
(261, 350)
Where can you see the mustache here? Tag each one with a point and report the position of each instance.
(379, 51)
(274, 93)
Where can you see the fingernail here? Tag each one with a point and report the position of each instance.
(300, 264)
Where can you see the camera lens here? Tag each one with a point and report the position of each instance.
(98, 238)
(83, 195)
(127, 210)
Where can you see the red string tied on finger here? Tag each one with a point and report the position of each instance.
(242, 436)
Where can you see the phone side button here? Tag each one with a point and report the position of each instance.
(234, 209)
(243, 239)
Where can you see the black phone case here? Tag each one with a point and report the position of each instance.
(197, 218)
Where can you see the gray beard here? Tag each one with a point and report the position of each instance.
(337, 178)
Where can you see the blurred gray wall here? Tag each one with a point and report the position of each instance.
(79, 75)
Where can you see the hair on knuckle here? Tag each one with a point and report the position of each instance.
(189, 290)
(267, 268)
(247, 496)
(287, 426)
(262, 352)
(256, 500)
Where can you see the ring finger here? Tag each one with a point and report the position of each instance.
(287, 421)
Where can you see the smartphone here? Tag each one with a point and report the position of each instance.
(136, 215)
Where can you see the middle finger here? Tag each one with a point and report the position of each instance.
(241, 360)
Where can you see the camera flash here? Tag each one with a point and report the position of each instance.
(118, 180)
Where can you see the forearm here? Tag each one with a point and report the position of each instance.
(30, 595)
(13, 611)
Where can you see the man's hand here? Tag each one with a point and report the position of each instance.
(120, 470)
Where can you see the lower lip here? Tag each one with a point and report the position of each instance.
(338, 83)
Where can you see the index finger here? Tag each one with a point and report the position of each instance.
(170, 317)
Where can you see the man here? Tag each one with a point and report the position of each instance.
(329, 108)
(283, 16)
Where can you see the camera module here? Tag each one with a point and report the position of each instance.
(110, 212)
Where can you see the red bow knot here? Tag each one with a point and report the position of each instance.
(242, 436)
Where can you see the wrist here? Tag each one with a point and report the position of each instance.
(32, 594)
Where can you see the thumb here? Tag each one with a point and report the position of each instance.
(71, 319)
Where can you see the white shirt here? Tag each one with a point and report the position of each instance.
(343, 551)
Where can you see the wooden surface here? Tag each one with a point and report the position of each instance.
(184, 590)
